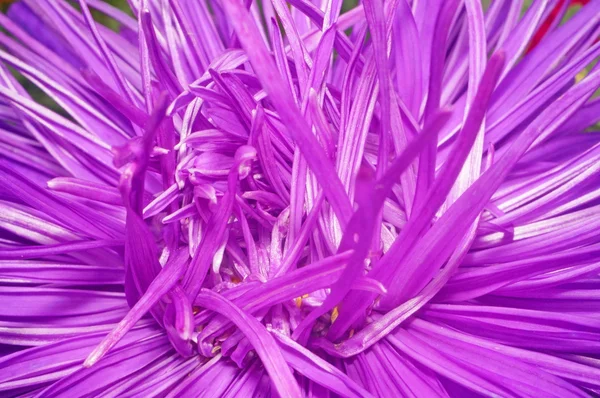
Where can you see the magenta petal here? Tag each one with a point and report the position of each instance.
(262, 342)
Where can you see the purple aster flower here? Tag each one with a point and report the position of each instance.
(231, 198)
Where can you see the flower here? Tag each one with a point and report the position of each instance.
(239, 199)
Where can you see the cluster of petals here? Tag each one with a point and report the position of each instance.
(227, 198)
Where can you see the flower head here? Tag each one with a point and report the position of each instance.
(227, 198)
